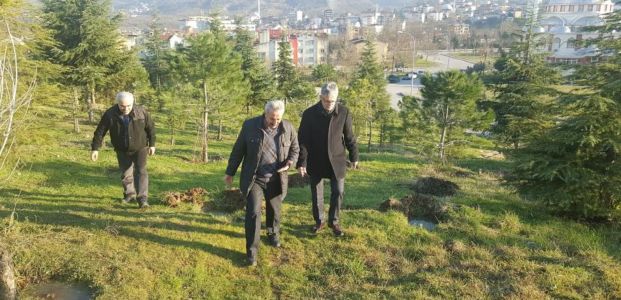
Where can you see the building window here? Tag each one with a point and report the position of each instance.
(580, 8)
(590, 7)
(571, 43)
(555, 8)
(563, 8)
(598, 7)
(571, 8)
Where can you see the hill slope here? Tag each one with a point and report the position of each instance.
(68, 225)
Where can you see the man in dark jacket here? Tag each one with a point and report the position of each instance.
(268, 147)
(325, 133)
(132, 132)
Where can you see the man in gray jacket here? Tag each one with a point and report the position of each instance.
(132, 132)
(268, 147)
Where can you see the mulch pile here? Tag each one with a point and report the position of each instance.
(193, 195)
(227, 201)
(435, 187)
(417, 206)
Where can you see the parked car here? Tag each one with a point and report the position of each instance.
(394, 78)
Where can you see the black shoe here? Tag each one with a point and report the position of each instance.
(274, 240)
(143, 203)
(336, 229)
(317, 227)
(128, 199)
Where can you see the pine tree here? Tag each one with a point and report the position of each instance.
(88, 46)
(210, 64)
(262, 87)
(449, 98)
(366, 95)
(574, 166)
(522, 84)
(286, 75)
(154, 59)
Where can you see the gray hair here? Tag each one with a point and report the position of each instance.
(330, 90)
(275, 105)
(124, 95)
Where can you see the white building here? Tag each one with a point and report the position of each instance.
(312, 50)
(565, 20)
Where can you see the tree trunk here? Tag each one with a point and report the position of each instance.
(204, 155)
(443, 135)
(220, 129)
(370, 136)
(8, 289)
(382, 132)
(76, 110)
(91, 104)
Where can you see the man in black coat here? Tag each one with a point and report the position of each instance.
(268, 147)
(132, 132)
(325, 133)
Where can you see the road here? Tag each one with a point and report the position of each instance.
(404, 88)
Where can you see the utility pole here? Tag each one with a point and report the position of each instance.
(413, 64)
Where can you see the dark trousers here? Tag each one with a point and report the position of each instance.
(133, 166)
(271, 191)
(337, 188)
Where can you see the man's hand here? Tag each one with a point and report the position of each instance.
(228, 180)
(151, 151)
(94, 155)
(302, 171)
(354, 164)
(285, 167)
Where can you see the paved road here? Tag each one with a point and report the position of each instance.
(404, 88)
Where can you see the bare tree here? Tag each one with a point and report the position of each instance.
(11, 99)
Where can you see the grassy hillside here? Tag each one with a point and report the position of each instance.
(69, 225)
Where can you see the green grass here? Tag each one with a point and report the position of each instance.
(70, 226)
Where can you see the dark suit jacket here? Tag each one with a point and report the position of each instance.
(140, 133)
(248, 147)
(340, 136)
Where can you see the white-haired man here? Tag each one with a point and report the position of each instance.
(132, 133)
(268, 147)
(325, 133)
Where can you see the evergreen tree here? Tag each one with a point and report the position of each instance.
(284, 70)
(323, 73)
(155, 60)
(88, 45)
(366, 95)
(211, 65)
(522, 84)
(261, 81)
(574, 167)
(449, 98)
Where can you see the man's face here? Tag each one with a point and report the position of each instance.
(327, 103)
(126, 105)
(272, 119)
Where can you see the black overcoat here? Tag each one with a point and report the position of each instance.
(340, 137)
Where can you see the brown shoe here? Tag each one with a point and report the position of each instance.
(336, 229)
(317, 227)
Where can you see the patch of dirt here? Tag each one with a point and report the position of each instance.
(454, 246)
(296, 180)
(227, 200)
(391, 204)
(419, 206)
(193, 195)
(435, 187)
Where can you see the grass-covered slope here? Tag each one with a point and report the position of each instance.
(69, 225)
